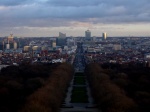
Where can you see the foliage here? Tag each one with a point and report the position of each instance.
(49, 97)
(109, 96)
(17, 82)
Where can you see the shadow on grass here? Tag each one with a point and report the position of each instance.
(79, 95)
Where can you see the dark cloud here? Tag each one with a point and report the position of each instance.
(75, 3)
(12, 2)
(61, 12)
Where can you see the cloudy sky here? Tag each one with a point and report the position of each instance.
(73, 17)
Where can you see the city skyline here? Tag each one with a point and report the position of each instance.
(48, 17)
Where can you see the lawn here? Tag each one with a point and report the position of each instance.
(79, 80)
(79, 74)
(79, 95)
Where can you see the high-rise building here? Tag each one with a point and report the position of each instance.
(2, 45)
(62, 35)
(61, 40)
(15, 45)
(8, 46)
(88, 34)
(10, 38)
(104, 36)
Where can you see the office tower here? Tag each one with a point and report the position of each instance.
(15, 45)
(1, 45)
(62, 35)
(8, 46)
(104, 36)
(88, 34)
(61, 40)
(53, 42)
(70, 42)
(10, 38)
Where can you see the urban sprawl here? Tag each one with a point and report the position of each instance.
(103, 49)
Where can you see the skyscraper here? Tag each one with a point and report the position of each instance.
(61, 40)
(104, 36)
(88, 34)
(15, 45)
(8, 46)
(10, 38)
(62, 35)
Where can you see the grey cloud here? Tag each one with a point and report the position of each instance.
(61, 12)
(76, 3)
(12, 2)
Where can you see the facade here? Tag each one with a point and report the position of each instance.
(53, 44)
(62, 35)
(9, 43)
(104, 36)
(26, 48)
(34, 48)
(117, 47)
(147, 56)
(10, 38)
(8, 46)
(15, 45)
(88, 34)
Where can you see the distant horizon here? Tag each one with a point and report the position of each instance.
(38, 18)
(76, 36)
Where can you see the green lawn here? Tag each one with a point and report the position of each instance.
(79, 74)
(80, 80)
(79, 95)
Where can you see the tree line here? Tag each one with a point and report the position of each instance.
(49, 97)
(134, 79)
(109, 96)
(19, 85)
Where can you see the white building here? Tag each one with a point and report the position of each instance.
(54, 44)
(104, 36)
(117, 47)
(147, 56)
(7, 46)
(26, 48)
(15, 45)
(34, 48)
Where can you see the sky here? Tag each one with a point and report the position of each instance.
(74, 17)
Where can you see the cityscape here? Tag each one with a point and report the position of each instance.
(122, 50)
(74, 56)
